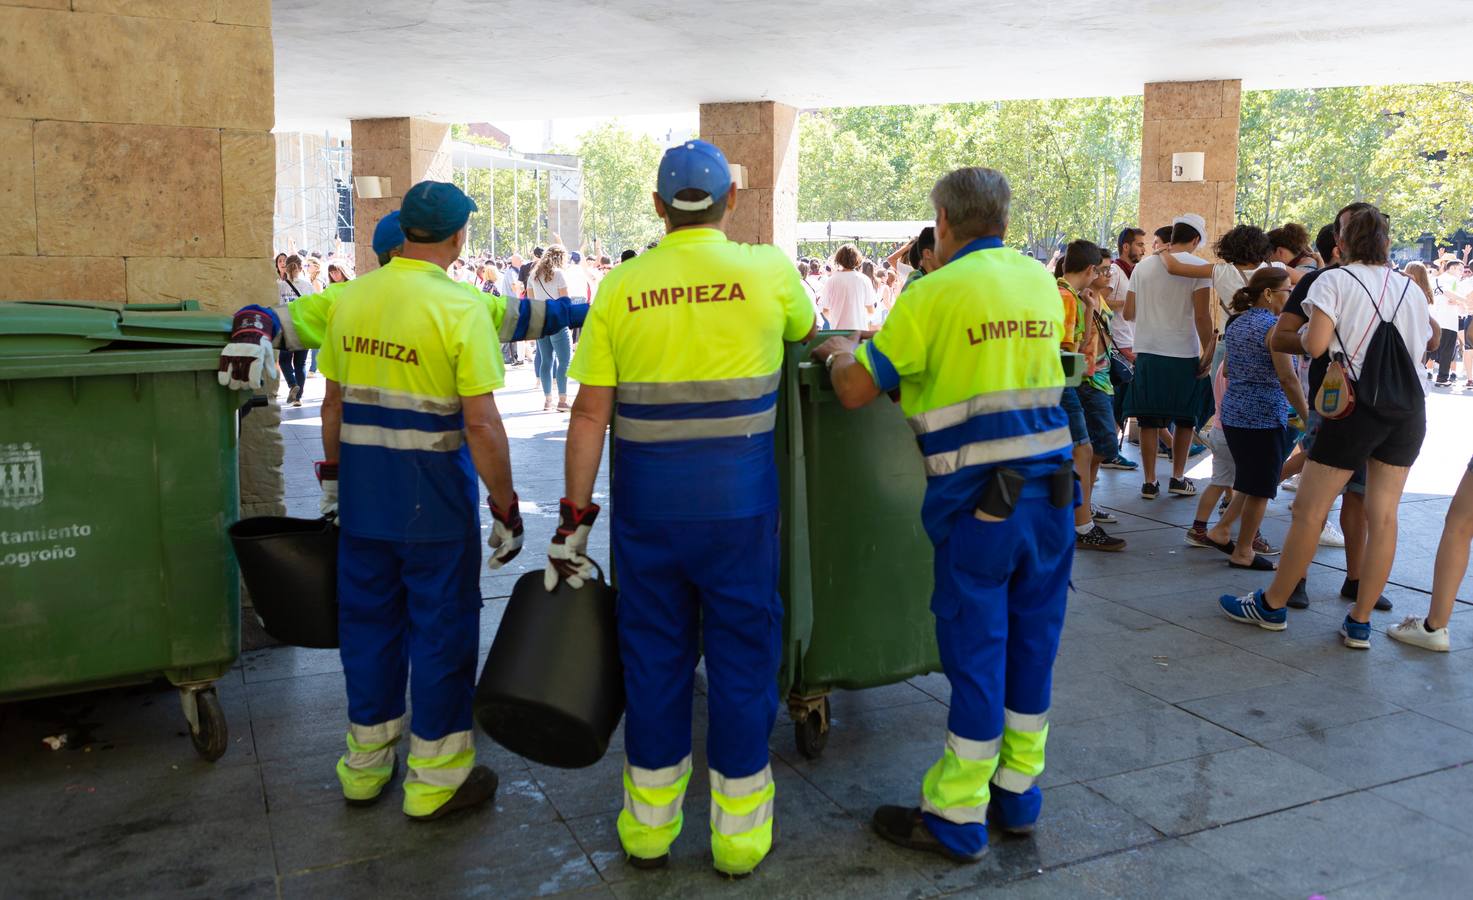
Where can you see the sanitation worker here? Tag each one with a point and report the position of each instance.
(409, 421)
(248, 361)
(974, 349)
(683, 352)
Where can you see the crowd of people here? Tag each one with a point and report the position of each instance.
(1183, 355)
(1291, 360)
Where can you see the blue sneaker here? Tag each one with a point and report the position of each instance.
(1251, 610)
(1015, 813)
(1357, 635)
(1120, 462)
(1197, 449)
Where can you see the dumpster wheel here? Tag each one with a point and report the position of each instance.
(811, 729)
(208, 730)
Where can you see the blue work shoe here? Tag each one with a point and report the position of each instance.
(1016, 813)
(1252, 610)
(1357, 635)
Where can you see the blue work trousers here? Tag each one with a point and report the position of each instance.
(409, 613)
(719, 577)
(1000, 593)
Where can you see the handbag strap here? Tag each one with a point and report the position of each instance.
(1105, 330)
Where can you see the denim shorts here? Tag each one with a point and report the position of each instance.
(1078, 430)
(1099, 419)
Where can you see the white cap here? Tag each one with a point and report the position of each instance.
(1193, 220)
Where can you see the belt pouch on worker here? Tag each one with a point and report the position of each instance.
(1061, 486)
(1000, 496)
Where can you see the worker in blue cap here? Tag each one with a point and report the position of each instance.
(249, 358)
(388, 238)
(408, 423)
(683, 352)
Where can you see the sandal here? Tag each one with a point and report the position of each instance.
(1260, 563)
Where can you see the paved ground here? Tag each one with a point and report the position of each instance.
(1188, 756)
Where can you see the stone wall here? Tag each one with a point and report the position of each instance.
(763, 137)
(136, 161)
(137, 164)
(1185, 116)
(405, 151)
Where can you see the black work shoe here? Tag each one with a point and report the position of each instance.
(477, 788)
(1350, 590)
(904, 827)
(646, 863)
(1097, 539)
(1151, 491)
(1299, 599)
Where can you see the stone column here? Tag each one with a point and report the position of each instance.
(763, 137)
(405, 151)
(1185, 116)
(137, 165)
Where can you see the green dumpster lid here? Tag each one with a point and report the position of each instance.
(47, 327)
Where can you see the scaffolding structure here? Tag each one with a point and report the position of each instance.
(314, 199)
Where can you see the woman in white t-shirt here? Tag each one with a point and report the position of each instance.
(848, 297)
(547, 282)
(1346, 306)
(1244, 250)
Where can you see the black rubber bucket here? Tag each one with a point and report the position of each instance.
(290, 566)
(552, 689)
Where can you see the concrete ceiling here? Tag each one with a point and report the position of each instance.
(483, 60)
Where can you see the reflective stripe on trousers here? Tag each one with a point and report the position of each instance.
(369, 763)
(436, 769)
(672, 411)
(741, 820)
(955, 787)
(1023, 739)
(651, 819)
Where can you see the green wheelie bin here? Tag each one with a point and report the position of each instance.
(856, 574)
(118, 480)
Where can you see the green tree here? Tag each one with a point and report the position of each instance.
(1073, 164)
(618, 178)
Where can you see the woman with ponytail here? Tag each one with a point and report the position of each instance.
(1262, 390)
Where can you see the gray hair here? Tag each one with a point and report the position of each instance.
(975, 199)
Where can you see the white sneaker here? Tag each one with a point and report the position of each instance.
(1413, 630)
(1291, 483)
(1331, 536)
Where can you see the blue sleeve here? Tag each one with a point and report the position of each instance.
(557, 315)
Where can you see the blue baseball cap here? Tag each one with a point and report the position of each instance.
(437, 208)
(694, 165)
(387, 235)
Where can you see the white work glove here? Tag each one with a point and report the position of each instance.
(506, 534)
(248, 362)
(327, 477)
(567, 555)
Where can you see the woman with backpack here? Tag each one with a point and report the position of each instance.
(1374, 323)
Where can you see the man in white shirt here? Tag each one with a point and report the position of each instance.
(1174, 341)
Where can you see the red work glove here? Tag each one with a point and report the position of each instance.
(567, 556)
(506, 534)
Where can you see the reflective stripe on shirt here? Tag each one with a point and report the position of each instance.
(650, 412)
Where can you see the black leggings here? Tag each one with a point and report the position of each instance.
(1445, 350)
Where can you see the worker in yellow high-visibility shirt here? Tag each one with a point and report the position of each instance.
(974, 350)
(683, 352)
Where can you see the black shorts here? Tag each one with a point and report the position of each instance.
(1258, 455)
(1347, 443)
(1164, 422)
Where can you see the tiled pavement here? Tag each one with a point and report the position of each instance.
(1188, 755)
